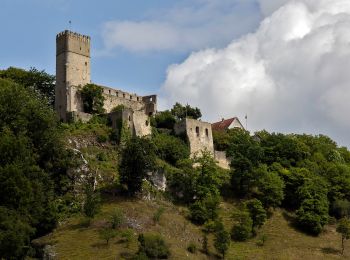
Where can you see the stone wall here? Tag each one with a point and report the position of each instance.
(221, 159)
(73, 72)
(137, 121)
(199, 135)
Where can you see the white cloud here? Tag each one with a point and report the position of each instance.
(189, 25)
(291, 75)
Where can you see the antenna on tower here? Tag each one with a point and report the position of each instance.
(70, 25)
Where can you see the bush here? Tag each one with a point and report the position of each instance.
(192, 248)
(117, 218)
(158, 214)
(242, 230)
(127, 236)
(102, 138)
(204, 210)
(164, 120)
(92, 202)
(257, 212)
(93, 100)
(313, 212)
(261, 240)
(341, 208)
(222, 242)
(153, 246)
(170, 148)
(107, 234)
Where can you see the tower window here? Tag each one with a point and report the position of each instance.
(197, 130)
(129, 118)
(206, 132)
(85, 63)
(146, 122)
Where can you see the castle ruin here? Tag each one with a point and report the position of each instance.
(73, 72)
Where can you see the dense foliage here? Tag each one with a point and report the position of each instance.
(181, 112)
(93, 99)
(137, 159)
(39, 81)
(33, 166)
(308, 174)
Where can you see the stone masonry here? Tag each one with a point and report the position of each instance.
(73, 72)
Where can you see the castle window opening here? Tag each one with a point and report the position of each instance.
(151, 99)
(129, 118)
(130, 97)
(207, 132)
(116, 93)
(123, 95)
(137, 98)
(197, 130)
(109, 91)
(146, 122)
(85, 63)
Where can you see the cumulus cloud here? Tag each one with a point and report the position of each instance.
(291, 75)
(189, 25)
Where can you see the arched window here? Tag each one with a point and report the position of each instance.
(197, 130)
(129, 118)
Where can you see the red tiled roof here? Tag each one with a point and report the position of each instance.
(223, 124)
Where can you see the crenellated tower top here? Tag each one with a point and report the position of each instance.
(72, 42)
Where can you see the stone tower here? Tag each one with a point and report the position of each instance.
(72, 71)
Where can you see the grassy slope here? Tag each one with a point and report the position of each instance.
(74, 241)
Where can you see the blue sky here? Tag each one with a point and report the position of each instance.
(284, 63)
(29, 29)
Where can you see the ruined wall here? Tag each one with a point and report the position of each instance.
(137, 121)
(199, 135)
(221, 159)
(73, 72)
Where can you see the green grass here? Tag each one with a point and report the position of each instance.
(74, 241)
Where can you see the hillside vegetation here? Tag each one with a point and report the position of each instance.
(85, 191)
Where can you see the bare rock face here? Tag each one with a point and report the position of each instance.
(49, 253)
(157, 179)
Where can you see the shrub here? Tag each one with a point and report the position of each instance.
(158, 214)
(192, 248)
(107, 234)
(117, 218)
(261, 240)
(138, 158)
(127, 236)
(343, 228)
(341, 208)
(204, 210)
(164, 120)
(170, 148)
(92, 201)
(242, 230)
(222, 242)
(257, 212)
(153, 246)
(102, 138)
(313, 212)
(93, 100)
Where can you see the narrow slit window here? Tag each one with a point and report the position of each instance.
(197, 130)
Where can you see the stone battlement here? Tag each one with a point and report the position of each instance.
(74, 35)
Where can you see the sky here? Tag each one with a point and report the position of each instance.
(283, 63)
